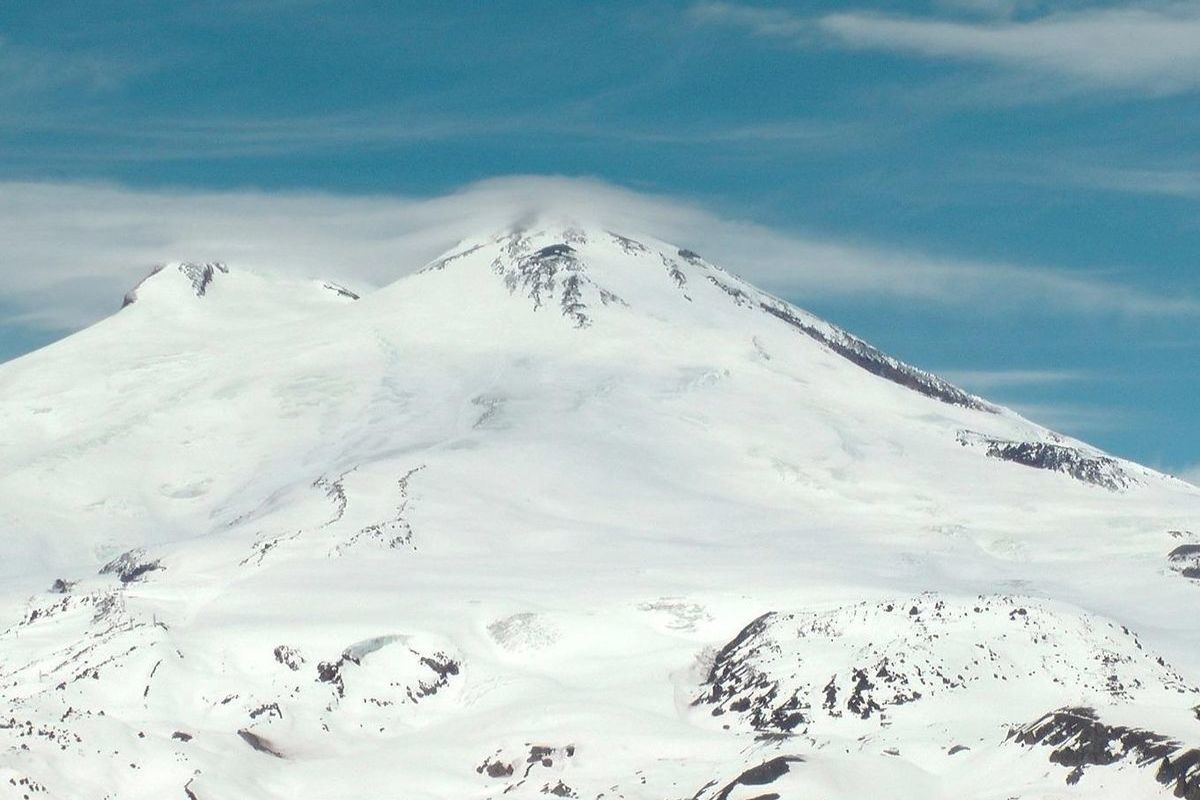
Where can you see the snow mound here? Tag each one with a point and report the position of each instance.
(199, 276)
(802, 672)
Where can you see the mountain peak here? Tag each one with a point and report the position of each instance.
(562, 485)
(198, 275)
(582, 270)
(201, 275)
(213, 294)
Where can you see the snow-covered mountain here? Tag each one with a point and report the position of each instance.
(569, 512)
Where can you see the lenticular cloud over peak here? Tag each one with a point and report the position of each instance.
(71, 251)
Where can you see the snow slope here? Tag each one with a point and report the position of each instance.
(569, 513)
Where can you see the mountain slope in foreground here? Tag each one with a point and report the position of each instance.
(567, 513)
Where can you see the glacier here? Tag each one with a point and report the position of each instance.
(569, 512)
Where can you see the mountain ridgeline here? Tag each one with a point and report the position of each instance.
(568, 512)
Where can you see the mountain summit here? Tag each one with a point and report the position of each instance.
(568, 512)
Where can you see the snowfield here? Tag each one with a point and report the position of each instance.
(568, 513)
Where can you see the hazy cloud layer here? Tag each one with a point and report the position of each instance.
(1190, 474)
(1174, 182)
(1149, 47)
(986, 380)
(69, 251)
(1078, 418)
(25, 70)
(164, 140)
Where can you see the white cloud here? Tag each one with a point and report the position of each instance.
(1072, 419)
(70, 140)
(69, 251)
(988, 8)
(986, 380)
(25, 70)
(760, 21)
(1152, 47)
(1190, 474)
(1172, 182)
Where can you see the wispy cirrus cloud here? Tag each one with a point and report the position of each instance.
(26, 70)
(69, 251)
(996, 9)
(758, 20)
(156, 139)
(1151, 47)
(1191, 474)
(1014, 387)
(169, 139)
(988, 380)
(1074, 419)
(1171, 181)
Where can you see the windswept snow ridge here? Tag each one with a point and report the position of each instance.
(858, 352)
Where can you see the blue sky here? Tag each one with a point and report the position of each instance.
(1041, 156)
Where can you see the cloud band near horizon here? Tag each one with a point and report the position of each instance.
(71, 250)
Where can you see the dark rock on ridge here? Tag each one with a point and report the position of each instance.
(130, 566)
(1080, 740)
(1092, 468)
(878, 363)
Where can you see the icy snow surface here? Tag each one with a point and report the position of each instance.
(568, 513)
